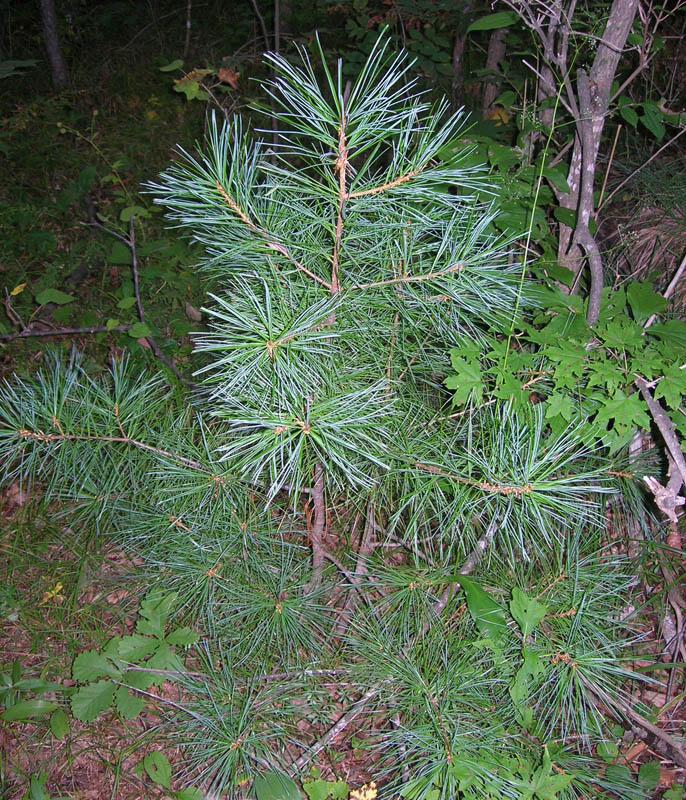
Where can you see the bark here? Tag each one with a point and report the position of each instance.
(496, 53)
(587, 103)
(52, 44)
(458, 91)
(590, 120)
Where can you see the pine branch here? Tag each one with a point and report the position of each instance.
(48, 438)
(342, 723)
(271, 244)
(386, 186)
(429, 276)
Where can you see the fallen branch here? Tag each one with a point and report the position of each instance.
(664, 425)
(29, 332)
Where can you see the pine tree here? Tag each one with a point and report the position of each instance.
(324, 516)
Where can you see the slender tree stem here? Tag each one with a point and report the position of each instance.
(318, 525)
(29, 332)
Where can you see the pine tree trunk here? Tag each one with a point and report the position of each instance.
(52, 44)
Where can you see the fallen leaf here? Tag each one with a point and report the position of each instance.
(116, 597)
(193, 313)
(230, 76)
(667, 777)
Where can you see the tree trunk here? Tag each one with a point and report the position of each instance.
(594, 91)
(52, 44)
(496, 53)
(458, 91)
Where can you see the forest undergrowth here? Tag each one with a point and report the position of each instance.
(397, 529)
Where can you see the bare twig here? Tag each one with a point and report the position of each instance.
(366, 548)
(28, 332)
(665, 426)
(187, 40)
(608, 167)
(469, 565)
(642, 727)
(260, 19)
(318, 525)
(678, 275)
(639, 168)
(333, 732)
(157, 350)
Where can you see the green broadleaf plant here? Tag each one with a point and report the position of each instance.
(129, 665)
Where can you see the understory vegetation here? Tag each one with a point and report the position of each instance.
(408, 522)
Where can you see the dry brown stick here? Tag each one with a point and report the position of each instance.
(334, 730)
(469, 565)
(642, 727)
(638, 169)
(678, 275)
(318, 525)
(366, 548)
(28, 332)
(665, 426)
(157, 350)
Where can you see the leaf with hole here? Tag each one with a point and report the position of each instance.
(158, 768)
(526, 611)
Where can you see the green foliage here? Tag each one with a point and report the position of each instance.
(19, 706)
(364, 283)
(572, 380)
(127, 666)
